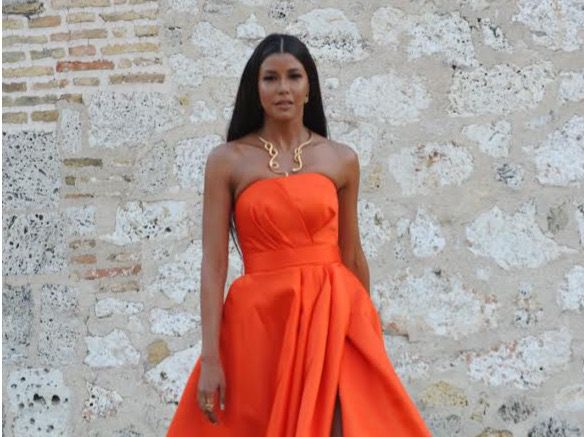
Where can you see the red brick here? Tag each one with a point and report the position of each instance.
(82, 66)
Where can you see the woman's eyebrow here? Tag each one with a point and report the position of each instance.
(274, 71)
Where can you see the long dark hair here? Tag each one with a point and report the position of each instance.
(248, 114)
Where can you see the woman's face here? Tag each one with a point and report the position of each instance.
(282, 78)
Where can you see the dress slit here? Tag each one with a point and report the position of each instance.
(338, 420)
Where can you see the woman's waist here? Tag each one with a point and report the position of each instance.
(274, 259)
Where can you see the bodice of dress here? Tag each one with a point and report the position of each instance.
(287, 212)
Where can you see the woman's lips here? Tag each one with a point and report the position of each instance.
(284, 104)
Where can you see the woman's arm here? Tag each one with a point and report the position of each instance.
(349, 238)
(215, 238)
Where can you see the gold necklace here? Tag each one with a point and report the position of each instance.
(273, 152)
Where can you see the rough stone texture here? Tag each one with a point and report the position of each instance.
(555, 25)
(60, 336)
(489, 432)
(17, 322)
(512, 175)
(60, 325)
(187, 72)
(158, 221)
(80, 221)
(571, 292)
(557, 219)
(101, 403)
(513, 241)
(153, 170)
(500, 90)
(178, 277)
(571, 86)
(202, 113)
(408, 364)
(218, 53)
(427, 238)
(494, 36)
(251, 29)
(456, 310)
(330, 35)
(361, 136)
(69, 132)
(42, 400)
(492, 139)
(110, 306)
(157, 351)
(33, 244)
(183, 6)
(118, 119)
(387, 24)
(524, 363)
(516, 409)
(528, 308)
(166, 323)
(376, 227)
(112, 350)
(571, 398)
(579, 215)
(444, 394)
(423, 168)
(553, 427)
(445, 34)
(30, 176)
(466, 117)
(388, 98)
(170, 376)
(560, 158)
(445, 425)
(126, 431)
(190, 160)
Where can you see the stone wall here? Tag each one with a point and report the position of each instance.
(467, 117)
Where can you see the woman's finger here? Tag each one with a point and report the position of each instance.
(204, 397)
(222, 396)
(201, 399)
(212, 417)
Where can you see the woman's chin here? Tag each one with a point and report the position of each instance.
(288, 115)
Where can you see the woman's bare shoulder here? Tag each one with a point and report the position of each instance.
(226, 158)
(220, 154)
(236, 148)
(344, 150)
(344, 154)
(221, 159)
(347, 159)
(231, 149)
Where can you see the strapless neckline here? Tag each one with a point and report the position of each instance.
(258, 182)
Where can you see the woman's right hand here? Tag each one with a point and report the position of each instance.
(211, 382)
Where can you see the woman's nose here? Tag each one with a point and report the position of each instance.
(283, 84)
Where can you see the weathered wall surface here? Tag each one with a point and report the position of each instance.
(467, 117)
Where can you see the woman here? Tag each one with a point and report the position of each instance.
(297, 348)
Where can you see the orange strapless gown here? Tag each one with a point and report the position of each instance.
(297, 327)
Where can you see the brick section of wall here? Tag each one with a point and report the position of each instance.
(72, 46)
